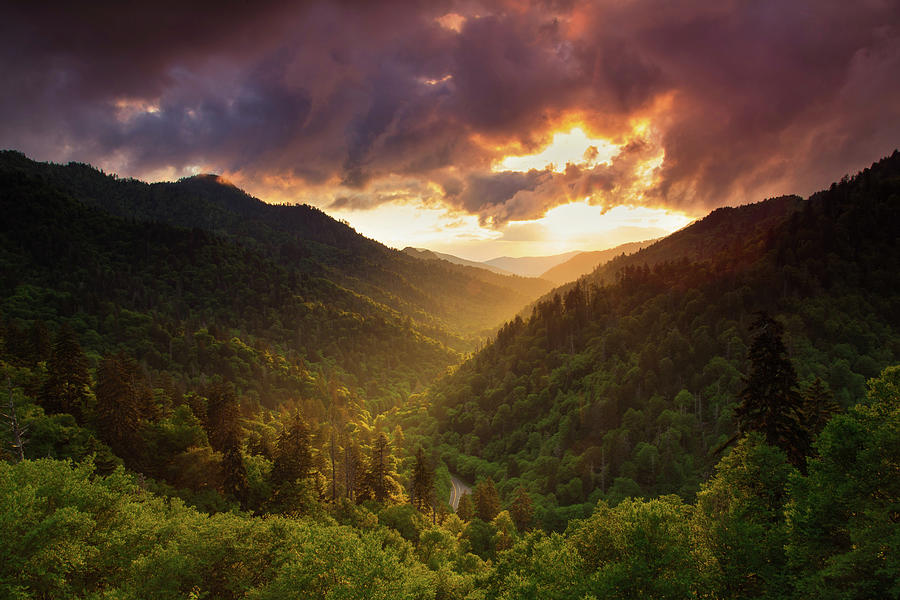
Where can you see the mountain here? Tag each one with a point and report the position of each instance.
(425, 254)
(452, 302)
(529, 266)
(586, 262)
(625, 382)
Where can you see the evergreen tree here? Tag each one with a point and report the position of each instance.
(233, 469)
(66, 387)
(770, 402)
(39, 344)
(422, 492)
(378, 481)
(465, 510)
(120, 394)
(223, 413)
(818, 407)
(487, 500)
(293, 453)
(522, 509)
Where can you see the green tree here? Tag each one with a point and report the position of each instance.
(379, 480)
(223, 414)
(293, 453)
(486, 500)
(66, 387)
(522, 509)
(844, 517)
(120, 393)
(739, 520)
(234, 472)
(770, 402)
(818, 407)
(639, 549)
(422, 485)
(465, 510)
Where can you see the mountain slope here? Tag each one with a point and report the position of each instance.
(624, 383)
(425, 254)
(529, 266)
(586, 262)
(198, 306)
(437, 296)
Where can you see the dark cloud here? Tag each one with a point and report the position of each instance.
(744, 99)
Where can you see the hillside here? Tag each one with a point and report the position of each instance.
(586, 262)
(529, 266)
(426, 254)
(441, 296)
(626, 382)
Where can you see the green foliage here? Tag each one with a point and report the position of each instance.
(68, 534)
(739, 517)
(844, 518)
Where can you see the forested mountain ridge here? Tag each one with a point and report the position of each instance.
(194, 305)
(303, 238)
(587, 262)
(625, 382)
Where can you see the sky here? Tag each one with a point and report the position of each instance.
(477, 128)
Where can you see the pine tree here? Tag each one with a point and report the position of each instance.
(39, 345)
(522, 509)
(293, 453)
(770, 402)
(465, 510)
(487, 500)
(223, 414)
(818, 407)
(66, 387)
(378, 481)
(120, 394)
(233, 469)
(422, 492)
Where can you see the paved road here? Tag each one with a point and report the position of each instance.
(457, 489)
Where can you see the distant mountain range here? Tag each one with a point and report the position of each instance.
(530, 266)
(558, 269)
(585, 262)
(425, 254)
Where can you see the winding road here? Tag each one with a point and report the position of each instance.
(457, 490)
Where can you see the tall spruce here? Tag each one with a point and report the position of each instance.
(487, 500)
(378, 480)
(522, 509)
(234, 472)
(66, 387)
(293, 453)
(120, 393)
(422, 488)
(818, 407)
(770, 401)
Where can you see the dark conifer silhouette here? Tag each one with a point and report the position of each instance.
(121, 394)
(293, 454)
(66, 387)
(422, 492)
(770, 401)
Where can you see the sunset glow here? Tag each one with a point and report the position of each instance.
(571, 147)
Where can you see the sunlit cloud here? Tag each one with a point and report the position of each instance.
(569, 147)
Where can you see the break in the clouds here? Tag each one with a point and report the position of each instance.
(356, 104)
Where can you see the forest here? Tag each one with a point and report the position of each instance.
(209, 397)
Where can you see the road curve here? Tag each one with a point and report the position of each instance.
(457, 490)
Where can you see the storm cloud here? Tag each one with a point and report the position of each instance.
(711, 103)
